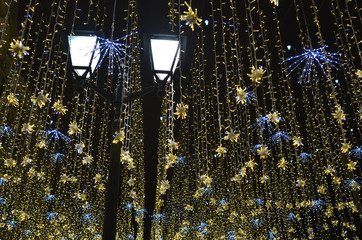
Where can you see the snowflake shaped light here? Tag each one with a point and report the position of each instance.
(12, 100)
(275, 2)
(18, 49)
(256, 74)
(56, 135)
(181, 110)
(115, 48)
(244, 97)
(311, 58)
(191, 17)
(279, 136)
(59, 107)
(41, 99)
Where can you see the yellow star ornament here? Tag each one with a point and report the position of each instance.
(256, 74)
(18, 49)
(191, 17)
(263, 152)
(59, 107)
(339, 114)
(41, 99)
(232, 136)
(12, 100)
(221, 150)
(73, 128)
(345, 147)
(181, 110)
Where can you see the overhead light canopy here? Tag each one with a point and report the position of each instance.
(84, 52)
(164, 54)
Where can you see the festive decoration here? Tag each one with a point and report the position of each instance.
(18, 49)
(191, 17)
(255, 156)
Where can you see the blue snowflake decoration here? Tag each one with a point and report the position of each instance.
(317, 205)
(311, 58)
(51, 216)
(291, 216)
(116, 48)
(279, 136)
(50, 198)
(263, 123)
(256, 222)
(258, 201)
(2, 201)
(54, 134)
(304, 157)
(57, 157)
(357, 152)
(6, 130)
(352, 185)
(87, 217)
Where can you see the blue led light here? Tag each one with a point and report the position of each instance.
(311, 58)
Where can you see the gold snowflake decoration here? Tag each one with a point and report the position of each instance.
(345, 147)
(173, 144)
(206, 180)
(27, 128)
(359, 73)
(119, 137)
(87, 159)
(256, 74)
(274, 117)
(297, 141)
(321, 189)
(351, 165)
(164, 186)
(59, 107)
(251, 164)
(97, 178)
(232, 136)
(191, 17)
(283, 164)
(10, 162)
(181, 110)
(221, 150)
(12, 100)
(40, 100)
(300, 182)
(263, 152)
(241, 95)
(18, 49)
(339, 114)
(171, 158)
(73, 128)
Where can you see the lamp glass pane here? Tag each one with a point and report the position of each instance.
(163, 54)
(81, 49)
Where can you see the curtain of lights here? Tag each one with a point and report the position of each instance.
(269, 146)
(55, 142)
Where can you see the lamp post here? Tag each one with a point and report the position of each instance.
(164, 53)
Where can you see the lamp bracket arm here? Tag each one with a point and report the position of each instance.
(104, 94)
(145, 91)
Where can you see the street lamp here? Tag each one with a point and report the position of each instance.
(84, 49)
(164, 55)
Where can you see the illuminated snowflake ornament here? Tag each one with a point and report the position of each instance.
(73, 128)
(256, 75)
(12, 100)
(310, 59)
(181, 110)
(18, 49)
(359, 73)
(191, 17)
(244, 97)
(115, 49)
(41, 99)
(339, 114)
(59, 107)
(221, 150)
